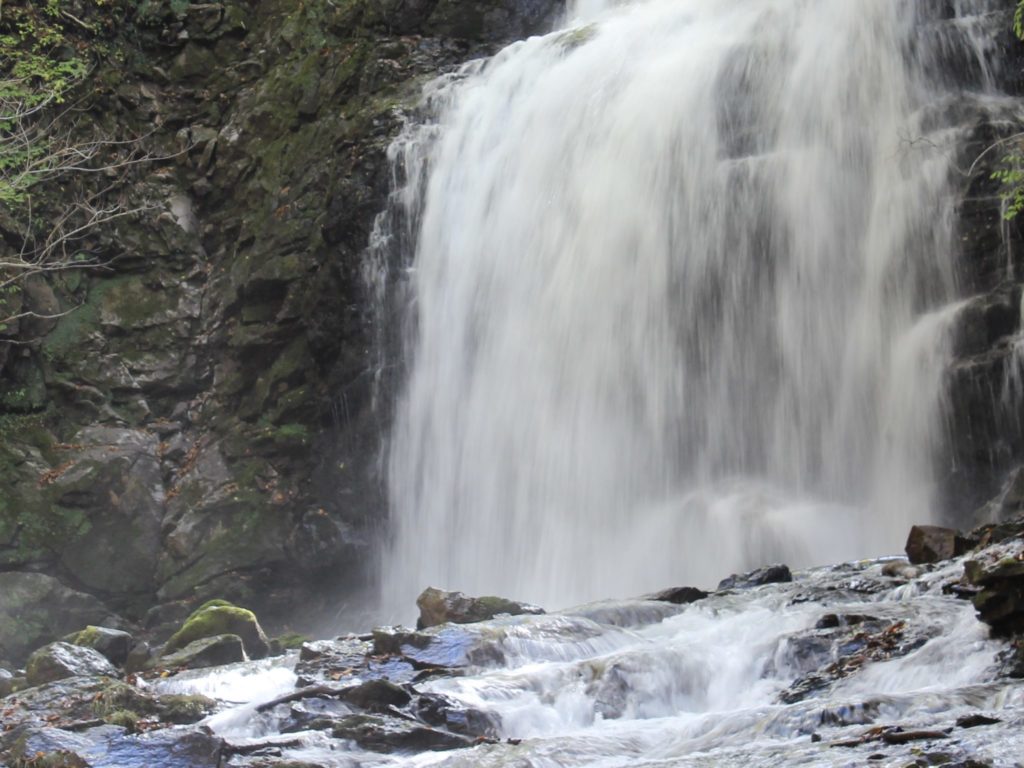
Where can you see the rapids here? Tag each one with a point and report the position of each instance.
(779, 675)
(679, 283)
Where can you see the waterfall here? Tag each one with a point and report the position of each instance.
(679, 299)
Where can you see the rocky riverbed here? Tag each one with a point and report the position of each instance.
(881, 662)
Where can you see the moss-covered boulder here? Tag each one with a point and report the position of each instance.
(114, 644)
(218, 617)
(57, 661)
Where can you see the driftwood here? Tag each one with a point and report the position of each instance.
(304, 693)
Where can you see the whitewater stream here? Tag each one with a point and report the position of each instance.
(831, 669)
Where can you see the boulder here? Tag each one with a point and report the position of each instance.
(36, 608)
(376, 695)
(36, 745)
(57, 661)
(218, 617)
(379, 733)
(933, 544)
(769, 574)
(112, 643)
(440, 607)
(206, 652)
(677, 595)
(6, 683)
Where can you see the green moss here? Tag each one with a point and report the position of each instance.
(221, 618)
(184, 709)
(87, 637)
(124, 718)
(75, 327)
(290, 640)
(121, 697)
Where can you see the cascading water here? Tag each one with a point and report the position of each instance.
(681, 295)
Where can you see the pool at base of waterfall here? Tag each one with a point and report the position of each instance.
(866, 663)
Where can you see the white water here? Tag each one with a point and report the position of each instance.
(643, 684)
(677, 299)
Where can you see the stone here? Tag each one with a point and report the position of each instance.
(57, 661)
(380, 733)
(440, 607)
(208, 652)
(6, 682)
(769, 574)
(218, 617)
(36, 608)
(376, 695)
(112, 643)
(933, 544)
(139, 657)
(678, 595)
(109, 746)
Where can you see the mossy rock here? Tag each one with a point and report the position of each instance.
(124, 718)
(218, 617)
(184, 709)
(289, 641)
(112, 643)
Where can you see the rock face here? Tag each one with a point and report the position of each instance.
(439, 607)
(985, 444)
(35, 608)
(204, 405)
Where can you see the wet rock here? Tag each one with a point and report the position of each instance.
(933, 544)
(112, 643)
(331, 660)
(995, 533)
(976, 720)
(6, 682)
(440, 607)
(218, 617)
(999, 573)
(897, 569)
(207, 652)
(376, 695)
(843, 651)
(444, 712)
(59, 660)
(380, 733)
(769, 574)
(110, 746)
(678, 595)
(36, 608)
